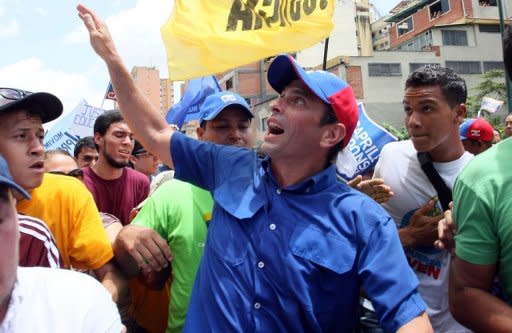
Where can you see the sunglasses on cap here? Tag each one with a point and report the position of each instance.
(77, 173)
(8, 95)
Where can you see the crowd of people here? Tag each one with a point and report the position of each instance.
(234, 240)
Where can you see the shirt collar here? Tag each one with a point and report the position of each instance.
(314, 184)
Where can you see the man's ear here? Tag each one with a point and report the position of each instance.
(333, 134)
(98, 138)
(460, 111)
(200, 132)
(133, 159)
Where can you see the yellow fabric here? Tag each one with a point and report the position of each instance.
(208, 37)
(68, 209)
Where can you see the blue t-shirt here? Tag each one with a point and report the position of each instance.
(290, 259)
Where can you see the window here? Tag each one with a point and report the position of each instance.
(229, 83)
(488, 3)
(264, 124)
(439, 8)
(465, 67)
(380, 69)
(405, 26)
(492, 28)
(455, 37)
(415, 65)
(493, 65)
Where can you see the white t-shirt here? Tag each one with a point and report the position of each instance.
(399, 167)
(56, 300)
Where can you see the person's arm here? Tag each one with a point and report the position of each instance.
(422, 229)
(138, 247)
(471, 302)
(420, 324)
(113, 281)
(146, 122)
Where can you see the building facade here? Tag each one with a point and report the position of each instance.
(158, 91)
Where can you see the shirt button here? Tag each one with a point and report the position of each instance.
(308, 190)
(261, 264)
(278, 191)
(257, 305)
(272, 226)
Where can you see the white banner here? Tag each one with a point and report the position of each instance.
(65, 133)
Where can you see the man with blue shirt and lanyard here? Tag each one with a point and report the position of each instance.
(288, 247)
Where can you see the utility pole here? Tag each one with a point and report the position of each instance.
(507, 77)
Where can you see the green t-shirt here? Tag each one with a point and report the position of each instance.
(483, 211)
(179, 212)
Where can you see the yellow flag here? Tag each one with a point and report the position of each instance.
(204, 37)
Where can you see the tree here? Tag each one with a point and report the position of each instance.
(492, 85)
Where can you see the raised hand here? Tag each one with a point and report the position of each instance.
(99, 35)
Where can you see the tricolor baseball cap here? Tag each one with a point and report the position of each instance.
(216, 103)
(328, 87)
(476, 129)
(6, 179)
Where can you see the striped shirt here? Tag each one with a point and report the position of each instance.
(37, 245)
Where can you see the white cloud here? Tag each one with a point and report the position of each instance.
(41, 11)
(31, 74)
(136, 32)
(10, 29)
(2, 10)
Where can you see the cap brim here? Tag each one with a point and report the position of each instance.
(14, 186)
(214, 115)
(284, 69)
(51, 106)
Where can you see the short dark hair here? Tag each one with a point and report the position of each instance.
(85, 142)
(452, 84)
(329, 117)
(507, 49)
(56, 151)
(106, 119)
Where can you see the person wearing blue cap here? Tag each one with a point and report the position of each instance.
(176, 216)
(288, 247)
(38, 299)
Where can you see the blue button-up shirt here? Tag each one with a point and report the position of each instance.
(290, 259)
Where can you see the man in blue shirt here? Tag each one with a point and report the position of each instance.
(289, 247)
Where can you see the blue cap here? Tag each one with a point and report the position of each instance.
(6, 178)
(216, 103)
(328, 87)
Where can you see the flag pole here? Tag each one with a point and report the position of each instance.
(326, 48)
(104, 97)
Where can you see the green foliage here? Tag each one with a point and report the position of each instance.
(492, 85)
(400, 133)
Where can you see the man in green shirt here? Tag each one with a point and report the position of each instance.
(175, 217)
(483, 243)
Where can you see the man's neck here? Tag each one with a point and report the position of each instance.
(287, 173)
(105, 170)
(4, 306)
(447, 152)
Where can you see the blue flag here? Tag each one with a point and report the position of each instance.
(363, 150)
(187, 108)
